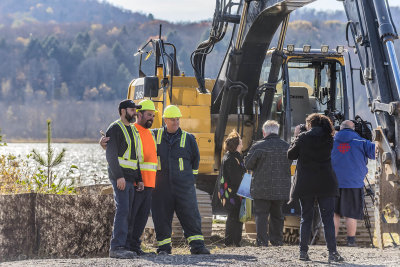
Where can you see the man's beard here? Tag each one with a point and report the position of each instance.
(129, 118)
(148, 124)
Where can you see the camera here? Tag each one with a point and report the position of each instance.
(363, 128)
(303, 128)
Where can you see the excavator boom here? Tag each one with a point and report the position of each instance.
(373, 33)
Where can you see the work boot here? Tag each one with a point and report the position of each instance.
(163, 252)
(140, 252)
(122, 253)
(334, 257)
(201, 250)
(304, 256)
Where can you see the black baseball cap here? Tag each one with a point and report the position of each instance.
(127, 103)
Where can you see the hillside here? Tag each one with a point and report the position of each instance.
(81, 51)
(64, 11)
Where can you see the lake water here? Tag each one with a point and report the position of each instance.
(90, 159)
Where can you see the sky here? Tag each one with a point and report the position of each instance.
(195, 10)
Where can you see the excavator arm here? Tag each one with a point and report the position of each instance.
(373, 34)
(371, 31)
(238, 78)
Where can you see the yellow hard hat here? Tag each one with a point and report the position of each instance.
(172, 111)
(147, 104)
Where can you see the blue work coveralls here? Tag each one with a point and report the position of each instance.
(178, 159)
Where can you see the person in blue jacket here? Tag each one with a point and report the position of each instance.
(350, 156)
(178, 159)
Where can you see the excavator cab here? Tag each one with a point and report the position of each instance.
(309, 81)
(316, 82)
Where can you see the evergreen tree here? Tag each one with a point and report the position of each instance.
(76, 53)
(92, 49)
(119, 52)
(83, 39)
(123, 78)
(34, 50)
(50, 46)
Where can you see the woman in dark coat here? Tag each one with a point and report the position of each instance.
(315, 180)
(232, 170)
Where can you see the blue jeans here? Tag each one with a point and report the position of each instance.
(139, 215)
(123, 204)
(326, 209)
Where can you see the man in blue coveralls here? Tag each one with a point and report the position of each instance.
(178, 159)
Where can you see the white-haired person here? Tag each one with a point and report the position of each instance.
(270, 185)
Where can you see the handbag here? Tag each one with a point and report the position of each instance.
(245, 213)
(244, 188)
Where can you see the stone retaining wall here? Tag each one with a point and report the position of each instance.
(44, 225)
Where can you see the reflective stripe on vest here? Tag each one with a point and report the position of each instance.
(195, 171)
(161, 131)
(154, 138)
(182, 144)
(138, 144)
(144, 166)
(127, 164)
(159, 163)
(163, 242)
(127, 154)
(183, 138)
(195, 237)
(159, 135)
(148, 166)
(181, 164)
(125, 161)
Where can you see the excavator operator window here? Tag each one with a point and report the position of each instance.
(302, 101)
(324, 82)
(316, 85)
(339, 101)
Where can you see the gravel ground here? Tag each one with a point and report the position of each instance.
(243, 256)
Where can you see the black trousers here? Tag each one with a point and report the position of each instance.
(140, 214)
(233, 228)
(184, 204)
(326, 209)
(272, 231)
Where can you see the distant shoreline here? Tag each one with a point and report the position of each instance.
(54, 140)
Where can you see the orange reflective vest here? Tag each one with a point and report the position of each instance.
(147, 156)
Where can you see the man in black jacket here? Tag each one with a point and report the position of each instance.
(123, 172)
(270, 186)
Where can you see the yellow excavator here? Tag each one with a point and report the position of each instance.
(256, 83)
